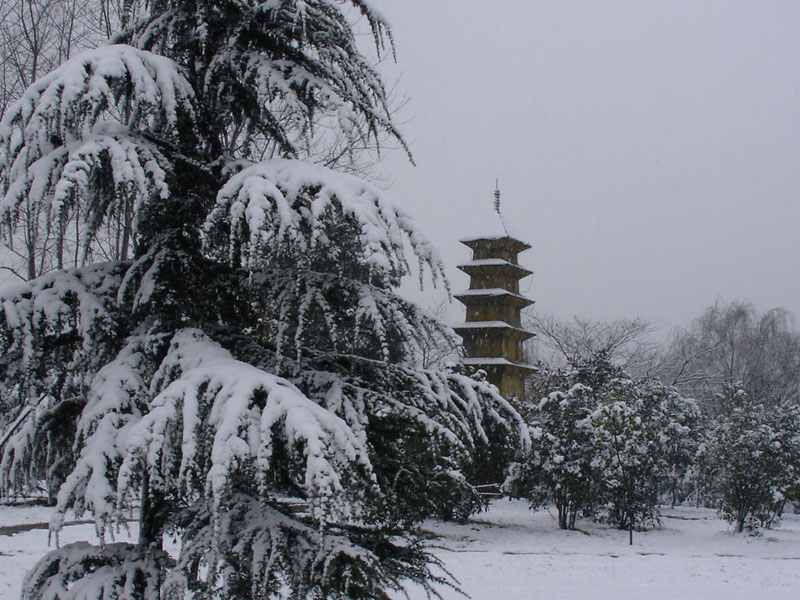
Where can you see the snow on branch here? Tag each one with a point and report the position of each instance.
(255, 549)
(17, 449)
(210, 417)
(340, 311)
(117, 398)
(117, 84)
(55, 333)
(291, 202)
(82, 131)
(283, 68)
(81, 571)
(222, 415)
(450, 408)
(74, 304)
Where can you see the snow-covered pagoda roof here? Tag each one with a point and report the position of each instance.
(479, 296)
(476, 326)
(498, 362)
(495, 264)
(494, 230)
(511, 243)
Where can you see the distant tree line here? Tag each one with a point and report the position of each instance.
(621, 425)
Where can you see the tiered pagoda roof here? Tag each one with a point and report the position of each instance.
(492, 331)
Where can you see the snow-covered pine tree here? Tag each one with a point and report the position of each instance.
(249, 358)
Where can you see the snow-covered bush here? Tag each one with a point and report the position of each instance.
(680, 433)
(242, 379)
(560, 467)
(630, 450)
(749, 463)
(604, 445)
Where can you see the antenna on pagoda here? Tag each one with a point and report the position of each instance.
(497, 205)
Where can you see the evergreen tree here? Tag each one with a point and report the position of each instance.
(604, 445)
(630, 448)
(243, 381)
(680, 432)
(749, 462)
(561, 467)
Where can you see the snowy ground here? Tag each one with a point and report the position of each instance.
(510, 553)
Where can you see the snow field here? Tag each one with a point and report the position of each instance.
(512, 553)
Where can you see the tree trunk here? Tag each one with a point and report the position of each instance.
(562, 515)
(151, 515)
(630, 531)
(740, 519)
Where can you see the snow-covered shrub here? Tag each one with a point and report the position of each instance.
(750, 461)
(680, 432)
(81, 571)
(630, 450)
(560, 467)
(604, 445)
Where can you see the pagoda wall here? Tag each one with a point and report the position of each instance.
(488, 278)
(493, 344)
(494, 311)
(511, 385)
(495, 249)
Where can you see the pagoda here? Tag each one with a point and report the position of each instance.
(492, 332)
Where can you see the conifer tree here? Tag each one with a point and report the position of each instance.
(243, 380)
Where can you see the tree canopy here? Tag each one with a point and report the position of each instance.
(240, 374)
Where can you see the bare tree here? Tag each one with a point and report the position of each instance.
(732, 345)
(437, 344)
(626, 342)
(38, 35)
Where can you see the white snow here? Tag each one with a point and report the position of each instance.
(486, 325)
(515, 554)
(512, 553)
(486, 262)
(285, 200)
(488, 292)
(492, 361)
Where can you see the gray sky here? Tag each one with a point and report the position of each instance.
(647, 149)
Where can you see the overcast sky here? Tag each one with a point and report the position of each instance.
(648, 150)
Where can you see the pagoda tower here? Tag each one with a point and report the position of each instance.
(492, 331)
